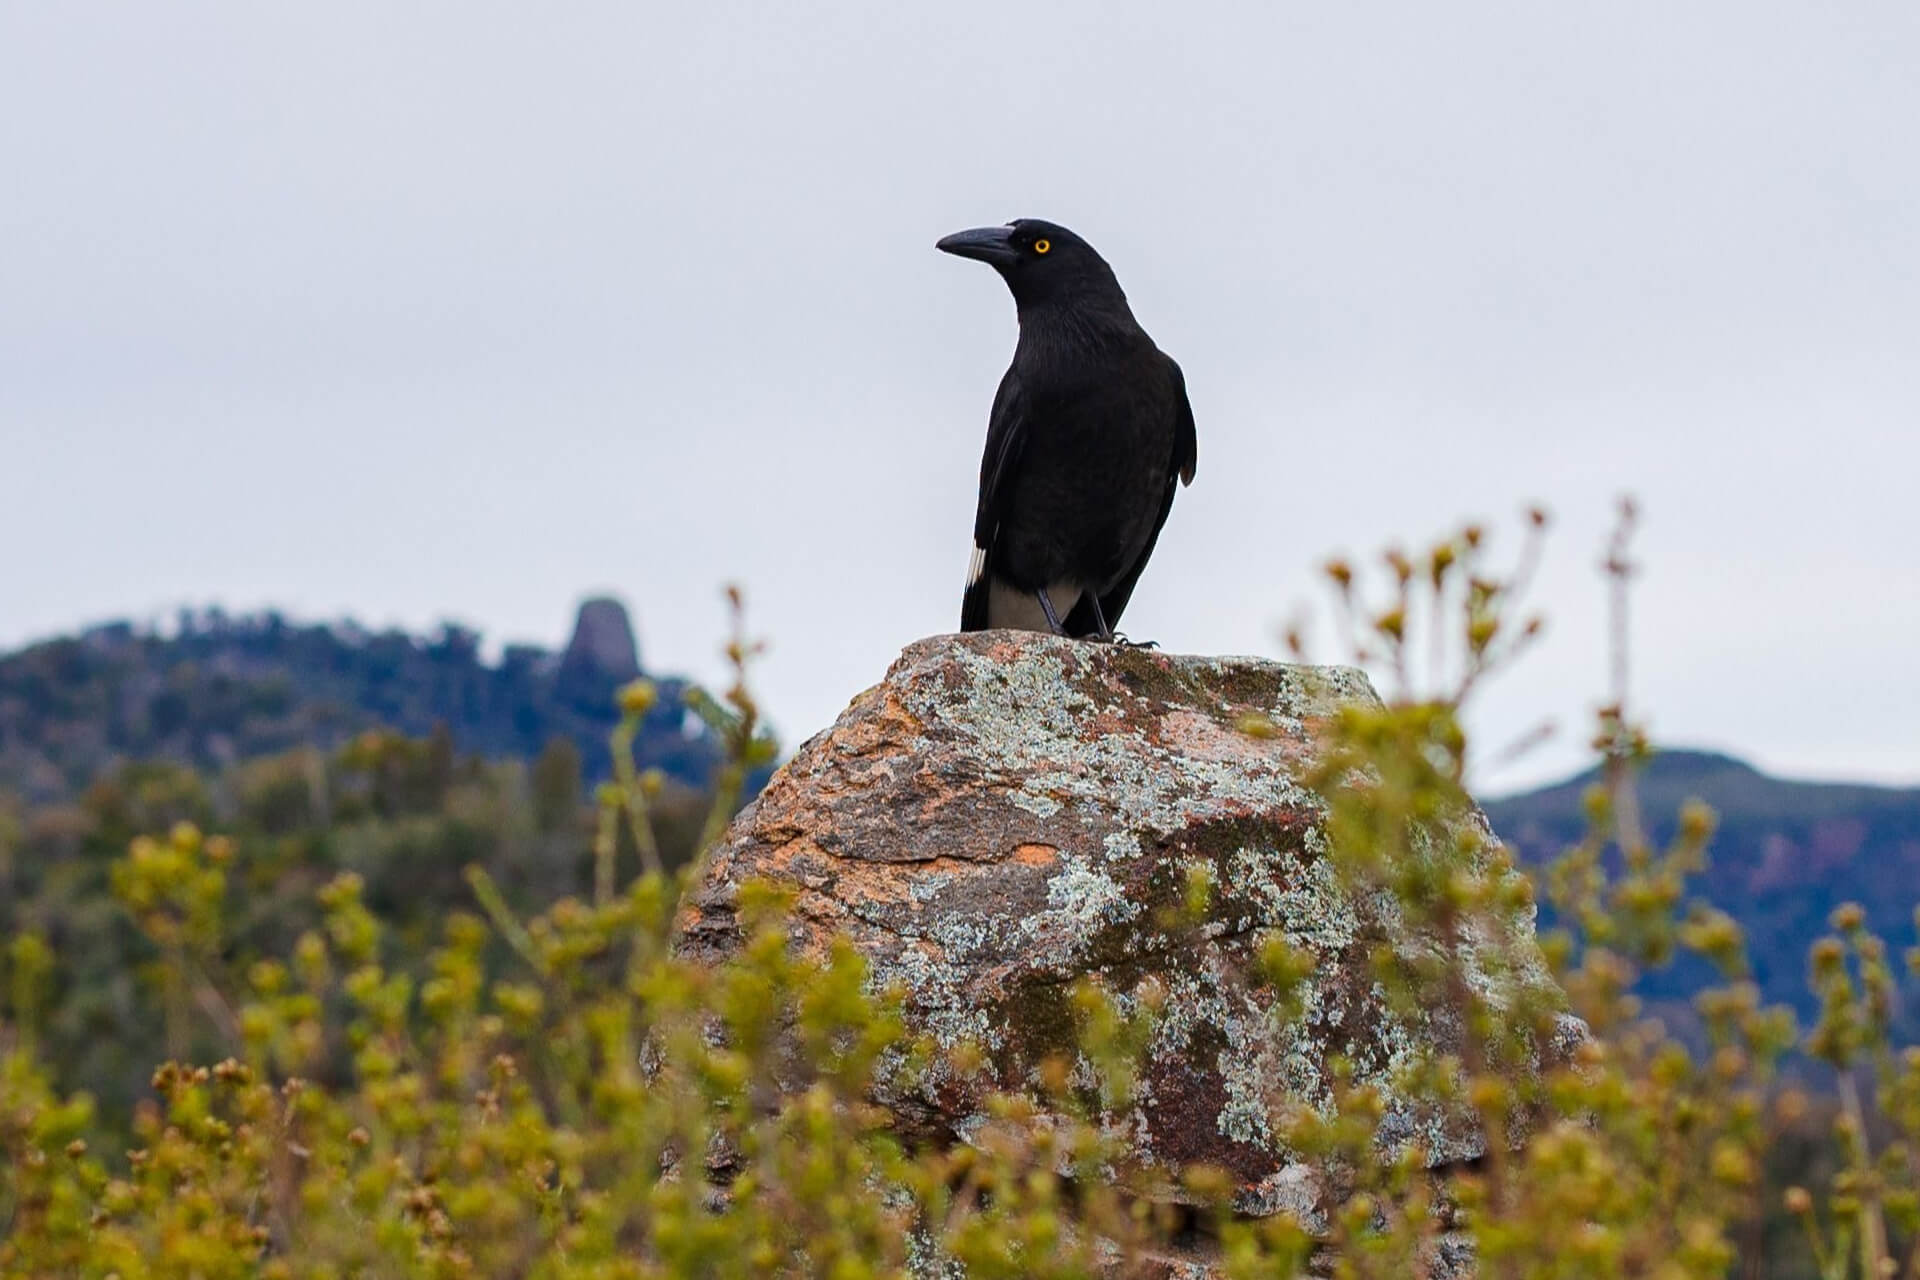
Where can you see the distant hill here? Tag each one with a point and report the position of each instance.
(1784, 855)
(220, 689)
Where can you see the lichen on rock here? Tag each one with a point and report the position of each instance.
(1007, 814)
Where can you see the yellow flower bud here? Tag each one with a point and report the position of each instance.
(637, 697)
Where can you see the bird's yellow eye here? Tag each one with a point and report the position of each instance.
(1041, 246)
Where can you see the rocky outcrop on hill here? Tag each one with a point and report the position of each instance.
(1008, 813)
(602, 649)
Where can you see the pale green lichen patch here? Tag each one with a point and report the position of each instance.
(1039, 804)
(927, 887)
(1246, 1067)
(1302, 899)
(1086, 899)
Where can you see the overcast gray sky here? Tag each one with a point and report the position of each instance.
(430, 311)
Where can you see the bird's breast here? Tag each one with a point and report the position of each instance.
(1089, 488)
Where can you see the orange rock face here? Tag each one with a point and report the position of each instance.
(1008, 813)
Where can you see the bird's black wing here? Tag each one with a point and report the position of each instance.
(1006, 437)
(1180, 468)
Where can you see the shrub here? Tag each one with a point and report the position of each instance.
(560, 1095)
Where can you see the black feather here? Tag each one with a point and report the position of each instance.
(1090, 435)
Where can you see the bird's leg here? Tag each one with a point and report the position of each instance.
(1046, 607)
(1103, 631)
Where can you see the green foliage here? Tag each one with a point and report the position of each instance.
(404, 815)
(557, 1093)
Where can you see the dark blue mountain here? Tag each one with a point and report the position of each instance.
(1784, 855)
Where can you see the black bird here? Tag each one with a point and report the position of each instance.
(1089, 435)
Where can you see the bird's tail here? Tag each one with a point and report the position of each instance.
(973, 605)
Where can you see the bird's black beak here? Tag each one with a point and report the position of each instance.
(991, 245)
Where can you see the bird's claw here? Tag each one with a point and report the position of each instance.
(1120, 640)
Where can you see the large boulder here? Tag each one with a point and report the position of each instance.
(1007, 813)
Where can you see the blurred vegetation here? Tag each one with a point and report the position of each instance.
(406, 816)
(380, 1063)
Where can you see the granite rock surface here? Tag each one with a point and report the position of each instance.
(1006, 814)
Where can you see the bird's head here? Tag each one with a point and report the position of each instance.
(1040, 261)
